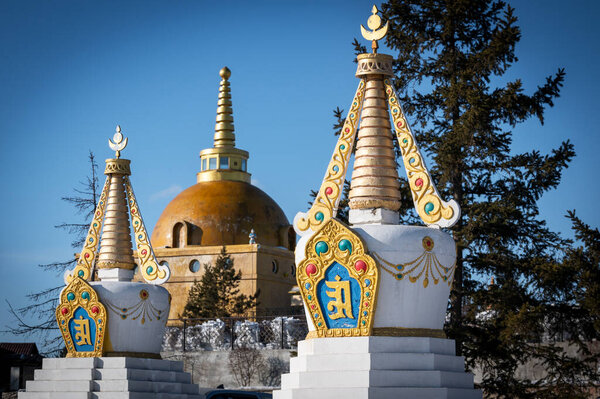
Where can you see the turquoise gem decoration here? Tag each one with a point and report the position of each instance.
(310, 297)
(411, 160)
(319, 216)
(342, 147)
(307, 285)
(429, 207)
(80, 273)
(405, 141)
(399, 276)
(85, 295)
(335, 168)
(345, 245)
(367, 294)
(70, 296)
(367, 282)
(321, 247)
(149, 269)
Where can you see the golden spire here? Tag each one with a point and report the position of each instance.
(375, 176)
(224, 161)
(117, 202)
(224, 131)
(374, 196)
(375, 34)
(115, 246)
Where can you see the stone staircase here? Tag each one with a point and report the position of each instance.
(111, 378)
(377, 368)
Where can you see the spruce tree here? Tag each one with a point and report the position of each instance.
(217, 293)
(449, 58)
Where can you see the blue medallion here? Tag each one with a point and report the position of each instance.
(83, 331)
(339, 297)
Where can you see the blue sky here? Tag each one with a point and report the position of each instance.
(72, 70)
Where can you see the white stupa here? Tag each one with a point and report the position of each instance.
(375, 292)
(113, 327)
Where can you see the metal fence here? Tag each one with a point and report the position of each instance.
(258, 332)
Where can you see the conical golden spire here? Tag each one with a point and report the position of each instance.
(115, 246)
(374, 178)
(117, 202)
(224, 161)
(224, 130)
(374, 196)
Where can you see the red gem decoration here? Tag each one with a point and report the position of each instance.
(367, 304)
(399, 124)
(313, 306)
(328, 190)
(311, 269)
(133, 210)
(95, 309)
(360, 265)
(144, 252)
(347, 130)
(419, 182)
(87, 255)
(64, 311)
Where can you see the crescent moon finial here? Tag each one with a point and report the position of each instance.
(377, 32)
(119, 143)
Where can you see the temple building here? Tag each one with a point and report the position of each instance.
(223, 209)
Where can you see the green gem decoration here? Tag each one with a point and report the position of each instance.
(345, 245)
(429, 207)
(321, 247)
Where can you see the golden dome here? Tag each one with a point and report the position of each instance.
(222, 213)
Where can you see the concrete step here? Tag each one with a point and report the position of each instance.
(141, 375)
(142, 395)
(54, 395)
(378, 393)
(349, 345)
(143, 386)
(53, 386)
(112, 362)
(377, 378)
(377, 361)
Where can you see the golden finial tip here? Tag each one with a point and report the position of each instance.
(377, 32)
(225, 73)
(118, 142)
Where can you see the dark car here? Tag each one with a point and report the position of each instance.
(233, 394)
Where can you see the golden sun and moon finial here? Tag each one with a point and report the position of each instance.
(377, 32)
(119, 142)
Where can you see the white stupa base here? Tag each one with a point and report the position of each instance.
(110, 378)
(377, 367)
